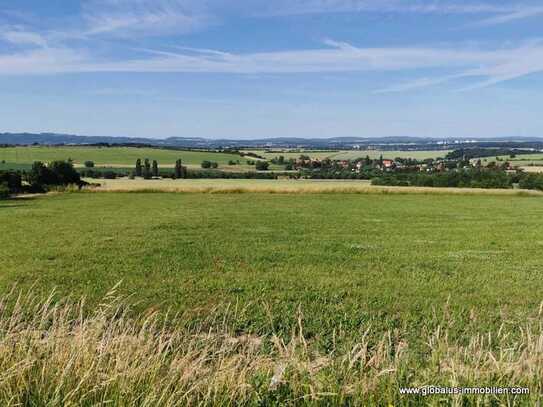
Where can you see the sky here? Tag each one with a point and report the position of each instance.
(245, 69)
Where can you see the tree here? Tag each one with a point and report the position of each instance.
(89, 164)
(262, 165)
(179, 170)
(65, 172)
(209, 164)
(155, 168)
(10, 182)
(40, 175)
(146, 169)
(4, 191)
(138, 171)
(56, 173)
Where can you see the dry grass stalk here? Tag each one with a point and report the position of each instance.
(67, 354)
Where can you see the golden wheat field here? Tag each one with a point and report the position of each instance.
(281, 186)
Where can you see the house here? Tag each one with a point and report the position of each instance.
(388, 163)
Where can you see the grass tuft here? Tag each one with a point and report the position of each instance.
(65, 353)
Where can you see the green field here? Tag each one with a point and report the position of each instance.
(347, 259)
(111, 156)
(520, 159)
(351, 154)
(5, 166)
(355, 294)
(526, 160)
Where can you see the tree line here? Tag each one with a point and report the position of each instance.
(149, 170)
(40, 178)
(489, 178)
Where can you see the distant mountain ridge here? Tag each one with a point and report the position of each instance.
(278, 142)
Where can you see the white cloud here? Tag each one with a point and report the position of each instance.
(143, 17)
(285, 7)
(490, 66)
(19, 37)
(520, 14)
(508, 65)
(418, 83)
(42, 61)
(158, 17)
(45, 53)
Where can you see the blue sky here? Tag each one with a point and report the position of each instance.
(276, 68)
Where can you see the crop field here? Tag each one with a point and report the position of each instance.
(110, 156)
(295, 186)
(352, 154)
(315, 298)
(528, 162)
(534, 169)
(520, 159)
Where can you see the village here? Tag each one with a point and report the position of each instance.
(398, 165)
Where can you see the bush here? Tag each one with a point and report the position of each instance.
(489, 179)
(531, 181)
(89, 164)
(57, 173)
(262, 166)
(11, 180)
(4, 191)
(209, 164)
(109, 175)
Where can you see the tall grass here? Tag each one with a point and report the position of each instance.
(64, 353)
(289, 187)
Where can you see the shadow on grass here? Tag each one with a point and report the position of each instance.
(17, 201)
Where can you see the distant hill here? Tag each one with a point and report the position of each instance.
(400, 143)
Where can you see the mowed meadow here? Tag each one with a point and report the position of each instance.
(259, 298)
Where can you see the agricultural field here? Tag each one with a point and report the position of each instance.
(351, 154)
(281, 186)
(528, 162)
(334, 298)
(111, 156)
(7, 166)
